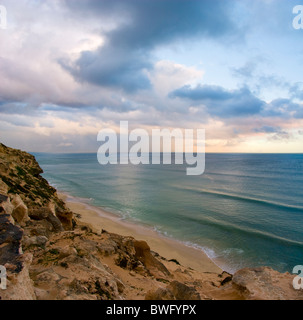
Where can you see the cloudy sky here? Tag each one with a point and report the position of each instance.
(71, 68)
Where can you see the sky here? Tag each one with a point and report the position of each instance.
(70, 68)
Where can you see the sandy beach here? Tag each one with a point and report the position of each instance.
(168, 248)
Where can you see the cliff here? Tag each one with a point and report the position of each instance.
(50, 254)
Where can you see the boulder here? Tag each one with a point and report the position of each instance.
(143, 254)
(20, 211)
(183, 292)
(107, 247)
(35, 241)
(174, 291)
(66, 218)
(67, 251)
(46, 213)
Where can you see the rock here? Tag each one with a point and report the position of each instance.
(47, 277)
(174, 291)
(35, 241)
(6, 204)
(10, 240)
(160, 294)
(140, 268)
(3, 187)
(20, 174)
(3, 198)
(67, 251)
(41, 294)
(6, 208)
(39, 228)
(19, 285)
(107, 247)
(183, 292)
(143, 254)
(41, 240)
(66, 218)
(226, 278)
(46, 213)
(265, 284)
(78, 287)
(120, 285)
(20, 211)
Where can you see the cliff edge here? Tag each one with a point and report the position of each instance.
(49, 254)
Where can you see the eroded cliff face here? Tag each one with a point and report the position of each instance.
(50, 254)
(30, 211)
(30, 194)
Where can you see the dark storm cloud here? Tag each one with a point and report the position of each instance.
(146, 24)
(221, 102)
(111, 67)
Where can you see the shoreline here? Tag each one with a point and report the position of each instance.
(166, 247)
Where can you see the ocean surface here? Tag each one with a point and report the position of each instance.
(246, 210)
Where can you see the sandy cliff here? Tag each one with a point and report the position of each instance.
(49, 253)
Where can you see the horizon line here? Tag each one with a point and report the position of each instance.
(89, 152)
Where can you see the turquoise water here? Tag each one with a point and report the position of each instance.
(246, 210)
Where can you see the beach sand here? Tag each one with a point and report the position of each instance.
(168, 248)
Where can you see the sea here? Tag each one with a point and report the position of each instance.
(246, 210)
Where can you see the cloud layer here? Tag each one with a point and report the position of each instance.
(70, 68)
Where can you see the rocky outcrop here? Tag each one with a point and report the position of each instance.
(72, 263)
(18, 283)
(265, 284)
(20, 210)
(174, 291)
(144, 255)
(21, 180)
(10, 244)
(46, 214)
(30, 212)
